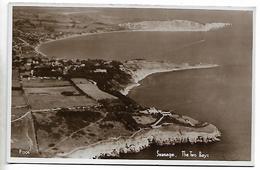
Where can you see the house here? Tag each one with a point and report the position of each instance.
(100, 71)
(152, 110)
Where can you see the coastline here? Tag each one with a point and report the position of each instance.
(174, 25)
(220, 96)
(142, 139)
(213, 26)
(138, 75)
(142, 73)
(74, 36)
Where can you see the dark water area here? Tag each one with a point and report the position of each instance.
(221, 96)
(129, 45)
(209, 95)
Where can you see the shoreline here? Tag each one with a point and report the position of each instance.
(141, 74)
(146, 137)
(187, 29)
(76, 35)
(138, 75)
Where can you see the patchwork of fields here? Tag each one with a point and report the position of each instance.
(52, 93)
(52, 97)
(37, 101)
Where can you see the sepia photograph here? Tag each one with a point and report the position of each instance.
(129, 83)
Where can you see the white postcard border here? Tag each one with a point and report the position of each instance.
(10, 159)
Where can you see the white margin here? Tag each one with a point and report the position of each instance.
(82, 161)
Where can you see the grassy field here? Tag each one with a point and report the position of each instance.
(49, 129)
(15, 79)
(49, 101)
(50, 90)
(18, 112)
(47, 94)
(18, 98)
(44, 83)
(55, 134)
(144, 119)
(23, 140)
(53, 127)
(19, 104)
(91, 89)
(91, 134)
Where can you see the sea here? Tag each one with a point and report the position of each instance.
(221, 96)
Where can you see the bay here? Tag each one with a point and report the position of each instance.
(221, 96)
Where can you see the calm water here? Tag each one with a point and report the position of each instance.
(221, 96)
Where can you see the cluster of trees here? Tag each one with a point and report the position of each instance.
(123, 117)
(113, 78)
(111, 82)
(78, 119)
(48, 71)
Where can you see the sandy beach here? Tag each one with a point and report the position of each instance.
(147, 70)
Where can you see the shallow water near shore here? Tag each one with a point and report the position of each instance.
(221, 96)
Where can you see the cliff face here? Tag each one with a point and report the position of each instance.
(164, 135)
(173, 25)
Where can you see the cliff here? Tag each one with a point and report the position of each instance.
(173, 25)
(167, 134)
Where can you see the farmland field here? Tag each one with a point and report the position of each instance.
(18, 98)
(91, 89)
(51, 90)
(54, 101)
(44, 83)
(51, 97)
